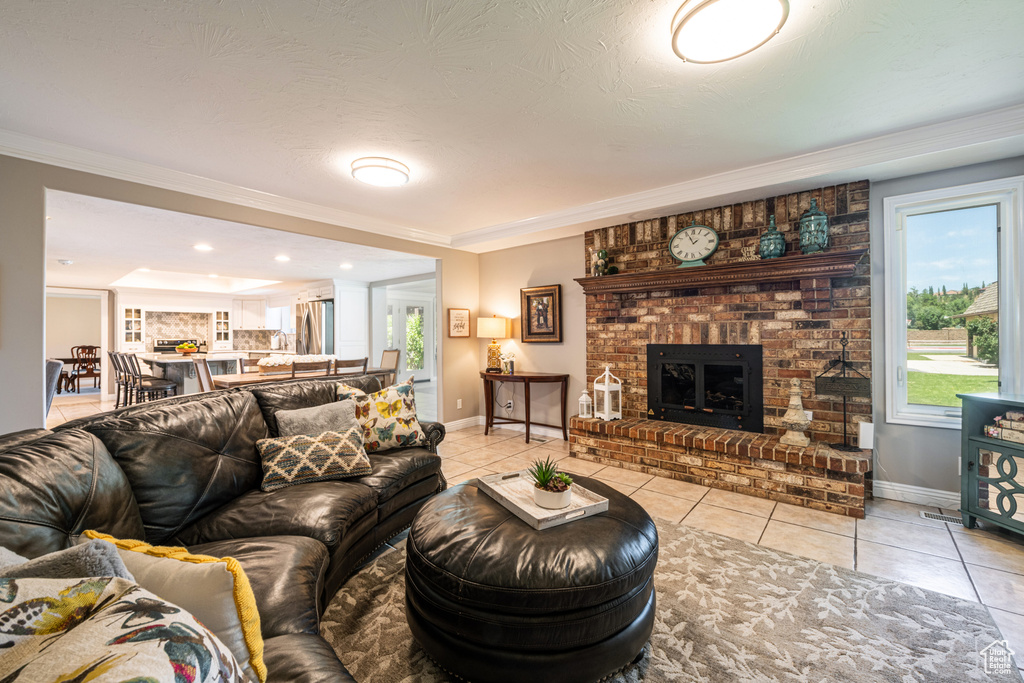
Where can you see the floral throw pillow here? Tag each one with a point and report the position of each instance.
(105, 629)
(388, 417)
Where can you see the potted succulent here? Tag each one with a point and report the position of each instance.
(551, 489)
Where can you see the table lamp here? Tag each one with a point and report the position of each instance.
(495, 329)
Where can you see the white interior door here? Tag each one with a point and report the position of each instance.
(410, 328)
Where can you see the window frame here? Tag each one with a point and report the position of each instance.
(1006, 194)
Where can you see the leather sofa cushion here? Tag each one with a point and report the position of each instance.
(323, 510)
(286, 574)
(303, 658)
(396, 470)
(304, 394)
(185, 460)
(463, 543)
(54, 486)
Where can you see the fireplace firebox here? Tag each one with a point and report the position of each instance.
(714, 385)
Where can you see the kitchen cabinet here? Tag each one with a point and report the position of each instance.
(315, 293)
(221, 335)
(249, 314)
(134, 337)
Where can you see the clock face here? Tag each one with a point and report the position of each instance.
(693, 244)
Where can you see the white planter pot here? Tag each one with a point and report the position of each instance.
(550, 500)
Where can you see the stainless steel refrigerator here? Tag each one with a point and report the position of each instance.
(314, 328)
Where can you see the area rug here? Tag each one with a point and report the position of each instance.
(727, 611)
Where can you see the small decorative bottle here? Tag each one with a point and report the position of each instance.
(773, 244)
(813, 229)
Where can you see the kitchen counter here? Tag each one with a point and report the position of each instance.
(212, 356)
(179, 368)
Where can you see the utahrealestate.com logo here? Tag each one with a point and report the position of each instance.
(997, 658)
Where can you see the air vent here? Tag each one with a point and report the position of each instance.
(950, 519)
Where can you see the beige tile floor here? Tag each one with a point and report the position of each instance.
(893, 541)
(67, 407)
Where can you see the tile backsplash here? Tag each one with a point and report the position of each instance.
(168, 325)
(251, 339)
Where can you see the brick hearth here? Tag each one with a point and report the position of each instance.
(755, 464)
(798, 321)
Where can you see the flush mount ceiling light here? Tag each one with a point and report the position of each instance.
(202, 247)
(708, 31)
(380, 171)
(346, 266)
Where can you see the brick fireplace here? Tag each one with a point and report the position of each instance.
(795, 308)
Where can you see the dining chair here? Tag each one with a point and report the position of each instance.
(203, 374)
(360, 363)
(51, 376)
(147, 387)
(324, 365)
(248, 365)
(87, 364)
(389, 361)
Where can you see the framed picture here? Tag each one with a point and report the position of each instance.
(541, 313)
(458, 322)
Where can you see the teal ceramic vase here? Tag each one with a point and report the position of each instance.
(813, 229)
(773, 244)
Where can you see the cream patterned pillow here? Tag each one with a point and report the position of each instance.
(302, 458)
(105, 629)
(388, 416)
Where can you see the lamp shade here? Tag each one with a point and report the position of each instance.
(492, 328)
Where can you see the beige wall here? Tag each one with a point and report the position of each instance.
(502, 274)
(22, 278)
(71, 321)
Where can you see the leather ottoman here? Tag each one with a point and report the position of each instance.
(491, 599)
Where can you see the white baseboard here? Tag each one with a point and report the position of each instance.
(479, 420)
(464, 423)
(916, 494)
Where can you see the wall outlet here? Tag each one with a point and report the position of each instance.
(508, 405)
(810, 415)
(458, 404)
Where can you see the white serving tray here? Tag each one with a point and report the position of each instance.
(514, 490)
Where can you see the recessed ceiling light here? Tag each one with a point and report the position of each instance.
(708, 31)
(65, 261)
(346, 266)
(49, 217)
(143, 270)
(282, 258)
(214, 275)
(380, 171)
(202, 247)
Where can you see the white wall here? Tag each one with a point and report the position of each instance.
(502, 274)
(71, 321)
(924, 457)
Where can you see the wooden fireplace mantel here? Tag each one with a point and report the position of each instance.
(803, 266)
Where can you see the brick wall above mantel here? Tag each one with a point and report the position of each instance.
(797, 321)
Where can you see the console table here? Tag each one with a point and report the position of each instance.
(526, 379)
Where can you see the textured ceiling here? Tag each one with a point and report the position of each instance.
(504, 109)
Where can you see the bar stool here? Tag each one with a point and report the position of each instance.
(148, 388)
(122, 381)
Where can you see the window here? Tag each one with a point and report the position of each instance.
(954, 288)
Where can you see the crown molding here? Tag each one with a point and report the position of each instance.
(940, 137)
(79, 159)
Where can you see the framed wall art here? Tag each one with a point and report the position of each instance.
(458, 322)
(541, 313)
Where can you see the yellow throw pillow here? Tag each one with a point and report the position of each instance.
(215, 590)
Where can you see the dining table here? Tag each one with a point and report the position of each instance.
(245, 379)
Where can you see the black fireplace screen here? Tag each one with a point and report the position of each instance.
(714, 385)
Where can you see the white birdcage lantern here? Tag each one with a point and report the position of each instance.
(586, 405)
(608, 396)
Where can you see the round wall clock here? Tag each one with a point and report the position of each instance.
(694, 243)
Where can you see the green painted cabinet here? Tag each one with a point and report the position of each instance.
(991, 469)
